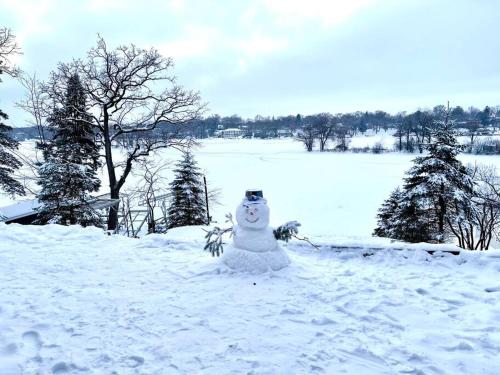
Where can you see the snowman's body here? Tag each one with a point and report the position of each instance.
(254, 247)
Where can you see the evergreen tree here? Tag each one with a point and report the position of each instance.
(8, 162)
(412, 222)
(439, 181)
(401, 218)
(187, 191)
(387, 214)
(485, 116)
(435, 187)
(68, 173)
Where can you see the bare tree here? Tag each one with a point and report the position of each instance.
(422, 127)
(323, 128)
(8, 49)
(35, 104)
(479, 219)
(152, 191)
(340, 133)
(130, 90)
(472, 130)
(399, 125)
(488, 202)
(307, 136)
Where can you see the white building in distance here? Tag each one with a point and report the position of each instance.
(230, 133)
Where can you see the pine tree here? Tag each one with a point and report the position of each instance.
(401, 218)
(387, 214)
(435, 187)
(187, 191)
(68, 173)
(411, 222)
(439, 181)
(8, 162)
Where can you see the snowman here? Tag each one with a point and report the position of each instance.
(254, 247)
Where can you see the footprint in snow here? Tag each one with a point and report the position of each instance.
(61, 368)
(9, 349)
(133, 361)
(492, 289)
(31, 343)
(323, 321)
(461, 346)
(454, 302)
(290, 311)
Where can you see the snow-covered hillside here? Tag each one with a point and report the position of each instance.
(76, 301)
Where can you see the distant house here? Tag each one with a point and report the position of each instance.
(231, 133)
(484, 131)
(284, 133)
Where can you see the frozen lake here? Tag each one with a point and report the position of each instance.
(330, 193)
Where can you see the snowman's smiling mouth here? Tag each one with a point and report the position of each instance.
(252, 221)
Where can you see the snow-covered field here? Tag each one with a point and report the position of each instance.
(76, 301)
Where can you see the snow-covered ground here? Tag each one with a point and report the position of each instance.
(76, 301)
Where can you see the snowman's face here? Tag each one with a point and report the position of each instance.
(254, 215)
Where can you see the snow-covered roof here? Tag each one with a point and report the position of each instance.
(29, 207)
(19, 209)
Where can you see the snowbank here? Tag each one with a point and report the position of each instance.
(78, 301)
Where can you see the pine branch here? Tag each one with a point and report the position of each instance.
(286, 231)
(214, 242)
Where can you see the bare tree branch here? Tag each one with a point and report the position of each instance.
(8, 49)
(35, 103)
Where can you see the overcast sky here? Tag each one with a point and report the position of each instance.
(276, 57)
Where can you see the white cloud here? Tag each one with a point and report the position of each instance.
(177, 5)
(196, 42)
(328, 12)
(105, 5)
(259, 44)
(29, 17)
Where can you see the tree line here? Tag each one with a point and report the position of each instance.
(324, 131)
(412, 131)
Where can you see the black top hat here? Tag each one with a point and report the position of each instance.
(253, 195)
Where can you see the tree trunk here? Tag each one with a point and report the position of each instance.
(441, 214)
(114, 192)
(113, 211)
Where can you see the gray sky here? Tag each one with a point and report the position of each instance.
(276, 57)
